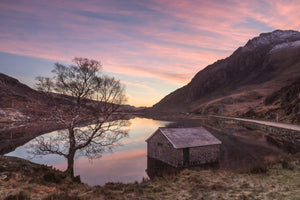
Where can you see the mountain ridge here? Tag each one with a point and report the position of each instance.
(19, 102)
(265, 64)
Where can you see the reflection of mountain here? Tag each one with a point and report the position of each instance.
(239, 84)
(16, 134)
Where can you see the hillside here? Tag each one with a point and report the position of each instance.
(285, 102)
(26, 113)
(18, 101)
(240, 83)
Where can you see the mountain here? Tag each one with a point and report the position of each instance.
(11, 87)
(240, 83)
(18, 102)
(26, 113)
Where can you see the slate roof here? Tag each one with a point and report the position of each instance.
(188, 137)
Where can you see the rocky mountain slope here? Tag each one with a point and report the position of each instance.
(286, 101)
(26, 113)
(240, 83)
(18, 102)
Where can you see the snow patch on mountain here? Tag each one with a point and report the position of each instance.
(275, 37)
(12, 115)
(285, 46)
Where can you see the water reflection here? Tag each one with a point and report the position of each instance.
(241, 148)
(126, 163)
(157, 168)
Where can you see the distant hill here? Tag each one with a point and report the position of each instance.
(18, 102)
(26, 113)
(12, 90)
(240, 83)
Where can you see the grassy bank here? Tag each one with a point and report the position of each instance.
(275, 179)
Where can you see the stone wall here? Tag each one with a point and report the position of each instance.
(160, 148)
(283, 136)
(204, 154)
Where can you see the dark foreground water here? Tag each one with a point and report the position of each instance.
(240, 150)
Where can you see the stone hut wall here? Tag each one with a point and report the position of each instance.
(161, 149)
(204, 154)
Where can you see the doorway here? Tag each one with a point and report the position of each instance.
(186, 156)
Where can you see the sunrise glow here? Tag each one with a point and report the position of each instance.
(153, 47)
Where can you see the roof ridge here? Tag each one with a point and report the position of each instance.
(167, 137)
(192, 137)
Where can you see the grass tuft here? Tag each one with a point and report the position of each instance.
(20, 196)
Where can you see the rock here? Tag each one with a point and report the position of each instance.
(4, 176)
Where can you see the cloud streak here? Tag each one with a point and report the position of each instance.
(166, 41)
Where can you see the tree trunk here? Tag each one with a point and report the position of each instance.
(71, 154)
(70, 169)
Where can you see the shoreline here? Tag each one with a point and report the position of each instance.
(21, 179)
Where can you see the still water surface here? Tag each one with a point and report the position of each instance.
(127, 163)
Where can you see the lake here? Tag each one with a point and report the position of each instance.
(127, 162)
(241, 149)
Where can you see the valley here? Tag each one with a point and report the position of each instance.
(259, 82)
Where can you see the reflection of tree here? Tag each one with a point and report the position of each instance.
(86, 96)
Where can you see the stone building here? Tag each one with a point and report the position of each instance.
(183, 146)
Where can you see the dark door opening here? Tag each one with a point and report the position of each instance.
(186, 156)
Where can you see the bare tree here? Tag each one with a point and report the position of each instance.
(81, 94)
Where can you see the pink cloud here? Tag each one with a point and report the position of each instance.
(170, 40)
(285, 15)
(139, 85)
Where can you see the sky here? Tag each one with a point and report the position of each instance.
(152, 46)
